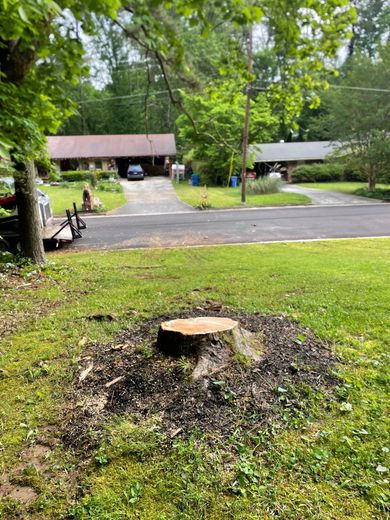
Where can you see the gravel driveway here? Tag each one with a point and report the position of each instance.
(152, 195)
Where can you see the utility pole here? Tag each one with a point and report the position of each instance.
(245, 136)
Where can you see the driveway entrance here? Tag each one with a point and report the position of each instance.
(329, 198)
(152, 195)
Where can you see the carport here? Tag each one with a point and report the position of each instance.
(284, 157)
(91, 152)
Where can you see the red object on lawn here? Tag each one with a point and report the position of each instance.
(8, 201)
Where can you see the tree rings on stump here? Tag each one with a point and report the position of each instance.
(212, 341)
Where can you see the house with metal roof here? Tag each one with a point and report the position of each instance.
(90, 152)
(286, 156)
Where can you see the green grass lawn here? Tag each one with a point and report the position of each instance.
(62, 198)
(219, 197)
(343, 187)
(327, 460)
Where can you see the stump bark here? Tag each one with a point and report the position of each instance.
(211, 341)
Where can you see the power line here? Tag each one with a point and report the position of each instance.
(368, 89)
(262, 89)
(130, 96)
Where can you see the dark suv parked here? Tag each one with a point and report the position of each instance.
(135, 171)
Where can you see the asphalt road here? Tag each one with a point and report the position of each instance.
(235, 226)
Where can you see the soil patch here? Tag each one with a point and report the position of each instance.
(13, 285)
(130, 376)
(10, 486)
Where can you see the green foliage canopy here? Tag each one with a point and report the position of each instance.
(216, 130)
(357, 113)
(40, 51)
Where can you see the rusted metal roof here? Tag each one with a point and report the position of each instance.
(106, 146)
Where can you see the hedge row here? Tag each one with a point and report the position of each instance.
(88, 176)
(325, 172)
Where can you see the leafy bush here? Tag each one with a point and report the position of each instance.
(264, 185)
(374, 194)
(353, 175)
(319, 172)
(79, 176)
(88, 176)
(105, 175)
(54, 175)
(109, 186)
(327, 172)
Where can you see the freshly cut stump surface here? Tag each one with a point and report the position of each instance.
(212, 341)
(192, 326)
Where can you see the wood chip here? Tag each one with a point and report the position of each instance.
(85, 373)
(118, 347)
(107, 385)
(176, 432)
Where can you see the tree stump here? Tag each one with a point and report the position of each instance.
(211, 341)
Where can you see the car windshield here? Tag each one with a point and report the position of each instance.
(135, 168)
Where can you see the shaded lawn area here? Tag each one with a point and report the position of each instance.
(318, 460)
(219, 197)
(62, 198)
(342, 187)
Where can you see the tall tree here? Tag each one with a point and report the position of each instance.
(214, 136)
(357, 113)
(39, 52)
(371, 28)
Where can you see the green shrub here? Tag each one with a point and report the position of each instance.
(327, 172)
(318, 172)
(264, 185)
(79, 176)
(90, 176)
(352, 175)
(54, 175)
(105, 175)
(109, 186)
(378, 193)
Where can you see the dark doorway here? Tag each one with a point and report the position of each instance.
(122, 165)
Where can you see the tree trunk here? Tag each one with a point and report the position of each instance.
(371, 179)
(29, 220)
(210, 341)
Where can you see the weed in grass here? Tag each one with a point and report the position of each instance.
(264, 185)
(204, 202)
(184, 365)
(35, 372)
(133, 493)
(146, 351)
(101, 459)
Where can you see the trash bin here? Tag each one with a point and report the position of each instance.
(195, 179)
(233, 181)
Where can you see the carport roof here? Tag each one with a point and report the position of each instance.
(106, 146)
(307, 151)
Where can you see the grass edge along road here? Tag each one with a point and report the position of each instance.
(353, 188)
(219, 197)
(323, 460)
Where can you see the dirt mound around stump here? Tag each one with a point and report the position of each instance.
(131, 376)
